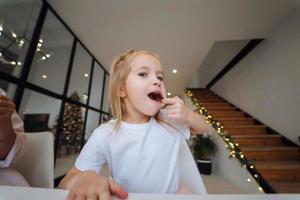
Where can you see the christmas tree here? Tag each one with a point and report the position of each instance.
(72, 126)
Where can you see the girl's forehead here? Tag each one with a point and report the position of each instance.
(145, 60)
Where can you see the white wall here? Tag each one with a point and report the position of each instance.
(266, 83)
(219, 55)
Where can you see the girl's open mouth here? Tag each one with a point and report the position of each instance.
(155, 96)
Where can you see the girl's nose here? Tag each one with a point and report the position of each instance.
(157, 82)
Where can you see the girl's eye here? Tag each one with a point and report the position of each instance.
(143, 74)
(160, 78)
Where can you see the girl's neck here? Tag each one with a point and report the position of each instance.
(136, 119)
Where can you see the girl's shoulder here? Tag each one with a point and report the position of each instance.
(105, 128)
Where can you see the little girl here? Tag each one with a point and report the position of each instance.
(141, 144)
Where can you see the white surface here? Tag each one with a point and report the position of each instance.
(266, 82)
(190, 176)
(17, 193)
(37, 163)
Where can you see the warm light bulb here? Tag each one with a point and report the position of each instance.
(44, 76)
(174, 71)
(169, 93)
(86, 75)
(248, 180)
(85, 96)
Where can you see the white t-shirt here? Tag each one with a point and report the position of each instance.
(142, 158)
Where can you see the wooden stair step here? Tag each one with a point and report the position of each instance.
(225, 113)
(228, 121)
(256, 153)
(214, 103)
(205, 95)
(252, 140)
(277, 164)
(212, 109)
(279, 170)
(285, 186)
(202, 91)
(204, 100)
(246, 130)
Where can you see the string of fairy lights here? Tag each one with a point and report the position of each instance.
(233, 147)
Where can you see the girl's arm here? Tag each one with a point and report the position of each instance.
(196, 122)
(178, 111)
(90, 185)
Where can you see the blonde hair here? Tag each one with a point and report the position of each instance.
(119, 71)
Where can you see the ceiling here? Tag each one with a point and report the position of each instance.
(181, 32)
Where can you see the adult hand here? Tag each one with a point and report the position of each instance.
(7, 106)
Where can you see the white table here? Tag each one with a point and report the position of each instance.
(23, 193)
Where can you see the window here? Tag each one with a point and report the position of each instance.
(80, 76)
(105, 107)
(36, 106)
(49, 68)
(9, 88)
(92, 123)
(17, 22)
(97, 86)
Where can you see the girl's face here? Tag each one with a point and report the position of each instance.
(144, 87)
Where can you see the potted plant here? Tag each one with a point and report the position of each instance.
(204, 149)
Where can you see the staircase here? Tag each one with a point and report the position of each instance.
(277, 161)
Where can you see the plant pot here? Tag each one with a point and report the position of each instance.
(204, 166)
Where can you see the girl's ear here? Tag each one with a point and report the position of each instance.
(122, 92)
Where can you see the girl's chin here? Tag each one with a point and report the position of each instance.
(151, 113)
(153, 109)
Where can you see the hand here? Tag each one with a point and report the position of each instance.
(7, 107)
(176, 109)
(89, 185)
